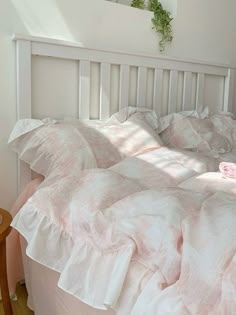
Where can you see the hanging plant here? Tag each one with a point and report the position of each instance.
(161, 20)
(139, 4)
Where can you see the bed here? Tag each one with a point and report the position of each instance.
(103, 83)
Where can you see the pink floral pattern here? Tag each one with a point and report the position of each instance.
(132, 238)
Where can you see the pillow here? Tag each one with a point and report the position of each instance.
(168, 120)
(50, 147)
(126, 112)
(196, 135)
(225, 125)
(112, 141)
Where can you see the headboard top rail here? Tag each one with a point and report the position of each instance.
(60, 42)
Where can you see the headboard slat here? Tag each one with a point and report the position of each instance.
(229, 90)
(173, 91)
(124, 86)
(105, 91)
(187, 90)
(157, 95)
(200, 91)
(142, 86)
(84, 89)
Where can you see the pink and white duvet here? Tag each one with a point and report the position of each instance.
(136, 238)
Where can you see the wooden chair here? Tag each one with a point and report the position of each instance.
(5, 229)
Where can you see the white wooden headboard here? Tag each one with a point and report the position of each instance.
(101, 82)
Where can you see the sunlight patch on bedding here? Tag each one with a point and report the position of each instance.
(211, 182)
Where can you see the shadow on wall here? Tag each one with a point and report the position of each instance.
(94, 23)
(41, 18)
(83, 21)
(91, 21)
(106, 25)
(10, 19)
(47, 18)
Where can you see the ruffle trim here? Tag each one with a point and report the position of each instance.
(94, 277)
(24, 126)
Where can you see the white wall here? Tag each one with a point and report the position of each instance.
(233, 59)
(203, 30)
(170, 5)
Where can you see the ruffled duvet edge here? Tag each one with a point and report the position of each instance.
(94, 277)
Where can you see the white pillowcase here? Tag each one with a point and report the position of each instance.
(50, 147)
(195, 134)
(58, 147)
(225, 125)
(112, 141)
(168, 120)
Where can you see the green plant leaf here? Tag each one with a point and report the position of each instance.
(140, 4)
(161, 23)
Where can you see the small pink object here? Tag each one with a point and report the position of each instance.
(228, 169)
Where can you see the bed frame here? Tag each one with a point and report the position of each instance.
(97, 84)
(105, 81)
